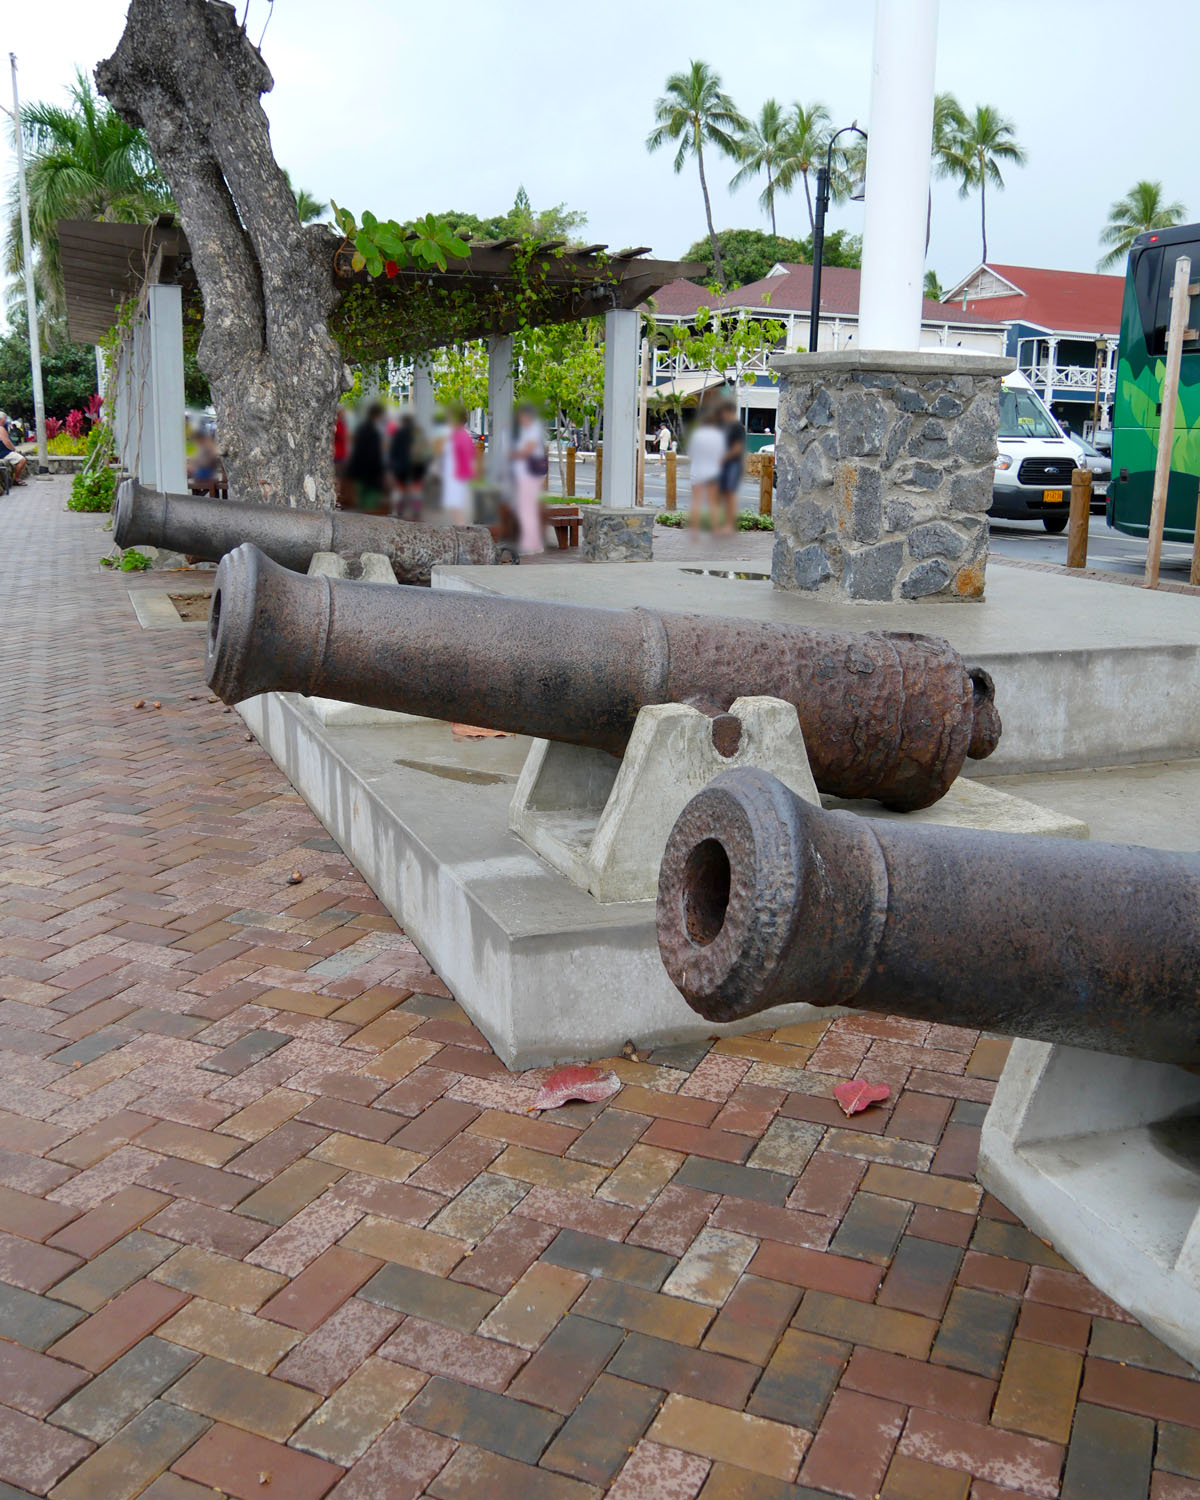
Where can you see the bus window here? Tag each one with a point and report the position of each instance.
(1144, 272)
(1166, 256)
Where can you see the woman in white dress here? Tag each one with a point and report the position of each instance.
(706, 451)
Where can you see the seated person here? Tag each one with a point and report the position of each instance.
(17, 463)
(205, 466)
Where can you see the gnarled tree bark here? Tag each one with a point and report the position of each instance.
(187, 73)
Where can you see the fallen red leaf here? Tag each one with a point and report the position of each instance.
(857, 1094)
(472, 732)
(575, 1082)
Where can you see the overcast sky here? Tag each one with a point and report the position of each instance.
(405, 108)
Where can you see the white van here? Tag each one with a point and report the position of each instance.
(1035, 461)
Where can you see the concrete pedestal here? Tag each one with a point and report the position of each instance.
(617, 535)
(1100, 1155)
(884, 465)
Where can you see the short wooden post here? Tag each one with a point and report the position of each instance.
(599, 467)
(1180, 303)
(1081, 515)
(571, 470)
(672, 456)
(766, 479)
(1194, 575)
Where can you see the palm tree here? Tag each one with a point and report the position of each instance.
(974, 152)
(764, 148)
(83, 162)
(696, 111)
(949, 122)
(309, 208)
(808, 137)
(933, 287)
(1140, 210)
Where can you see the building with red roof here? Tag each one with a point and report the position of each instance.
(785, 294)
(1061, 326)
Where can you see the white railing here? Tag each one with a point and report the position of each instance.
(679, 364)
(1070, 378)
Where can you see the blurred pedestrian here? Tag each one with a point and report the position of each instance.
(662, 441)
(365, 468)
(731, 468)
(706, 451)
(530, 468)
(458, 468)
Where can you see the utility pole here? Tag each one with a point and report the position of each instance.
(35, 351)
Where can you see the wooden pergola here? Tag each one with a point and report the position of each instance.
(496, 288)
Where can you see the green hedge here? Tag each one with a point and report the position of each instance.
(747, 521)
(93, 490)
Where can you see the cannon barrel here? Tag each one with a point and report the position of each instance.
(764, 899)
(885, 716)
(200, 527)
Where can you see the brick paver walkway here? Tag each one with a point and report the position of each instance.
(277, 1223)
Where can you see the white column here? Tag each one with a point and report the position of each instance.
(422, 394)
(141, 407)
(500, 407)
(1051, 361)
(165, 304)
(897, 192)
(117, 401)
(622, 327)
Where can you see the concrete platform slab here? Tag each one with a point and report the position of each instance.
(1085, 674)
(544, 970)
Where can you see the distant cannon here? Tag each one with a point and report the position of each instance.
(765, 899)
(889, 716)
(200, 527)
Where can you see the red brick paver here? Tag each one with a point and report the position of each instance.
(273, 1220)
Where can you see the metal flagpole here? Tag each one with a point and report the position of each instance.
(35, 352)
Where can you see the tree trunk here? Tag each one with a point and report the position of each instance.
(186, 72)
(771, 203)
(712, 233)
(812, 222)
(983, 215)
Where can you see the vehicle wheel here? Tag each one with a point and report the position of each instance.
(1055, 524)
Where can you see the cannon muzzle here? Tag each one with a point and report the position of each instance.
(764, 899)
(200, 527)
(884, 715)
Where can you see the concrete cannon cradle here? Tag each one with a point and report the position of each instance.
(1100, 1155)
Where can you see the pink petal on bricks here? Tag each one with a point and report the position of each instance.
(857, 1094)
(589, 1084)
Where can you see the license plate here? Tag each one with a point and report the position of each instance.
(1052, 497)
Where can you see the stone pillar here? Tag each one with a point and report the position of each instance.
(622, 327)
(500, 407)
(617, 535)
(165, 306)
(885, 464)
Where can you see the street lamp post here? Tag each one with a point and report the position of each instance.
(35, 352)
(824, 176)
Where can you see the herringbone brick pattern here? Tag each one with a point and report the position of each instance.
(275, 1221)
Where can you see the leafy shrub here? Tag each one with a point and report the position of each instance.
(53, 427)
(75, 423)
(65, 443)
(130, 561)
(94, 489)
(747, 521)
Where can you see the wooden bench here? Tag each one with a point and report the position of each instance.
(566, 520)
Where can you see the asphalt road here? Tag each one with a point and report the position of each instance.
(1108, 551)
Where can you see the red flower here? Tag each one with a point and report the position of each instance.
(391, 268)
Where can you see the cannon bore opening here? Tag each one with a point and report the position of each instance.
(706, 879)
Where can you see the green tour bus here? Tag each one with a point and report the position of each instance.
(1137, 407)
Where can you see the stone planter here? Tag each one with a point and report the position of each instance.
(612, 535)
(884, 464)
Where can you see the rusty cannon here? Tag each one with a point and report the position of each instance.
(200, 527)
(764, 898)
(888, 716)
